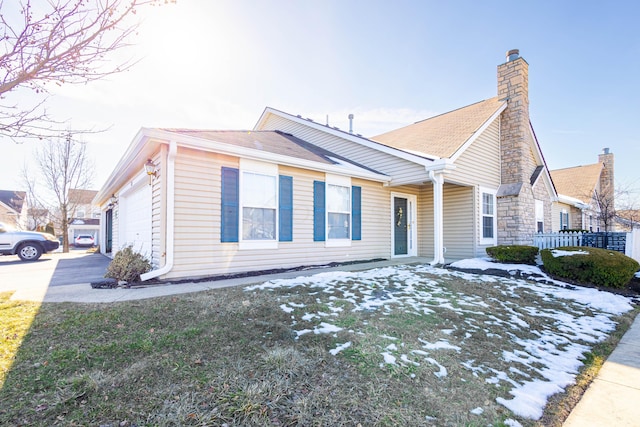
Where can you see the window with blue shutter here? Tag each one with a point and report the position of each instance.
(319, 220)
(286, 208)
(230, 205)
(356, 213)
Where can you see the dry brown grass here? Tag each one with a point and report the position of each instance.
(237, 357)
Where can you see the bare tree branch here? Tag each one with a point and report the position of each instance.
(66, 42)
(63, 165)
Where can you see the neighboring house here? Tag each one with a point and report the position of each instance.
(84, 216)
(13, 209)
(627, 219)
(294, 192)
(585, 194)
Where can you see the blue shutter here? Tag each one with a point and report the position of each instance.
(356, 213)
(230, 205)
(286, 208)
(319, 222)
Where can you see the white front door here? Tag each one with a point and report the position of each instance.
(403, 225)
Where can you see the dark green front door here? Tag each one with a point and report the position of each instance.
(108, 231)
(400, 215)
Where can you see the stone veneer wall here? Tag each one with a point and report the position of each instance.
(516, 201)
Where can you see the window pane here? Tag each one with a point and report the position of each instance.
(258, 190)
(338, 226)
(487, 204)
(338, 199)
(258, 224)
(487, 227)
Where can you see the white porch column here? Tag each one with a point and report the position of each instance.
(437, 178)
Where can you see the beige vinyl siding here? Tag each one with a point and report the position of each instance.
(556, 208)
(402, 170)
(480, 162)
(425, 221)
(115, 230)
(458, 222)
(199, 252)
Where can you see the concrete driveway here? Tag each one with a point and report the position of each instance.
(53, 269)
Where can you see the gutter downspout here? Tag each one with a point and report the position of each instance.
(438, 223)
(171, 169)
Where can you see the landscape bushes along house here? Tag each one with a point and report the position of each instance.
(591, 266)
(294, 192)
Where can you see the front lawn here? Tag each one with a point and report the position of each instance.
(393, 346)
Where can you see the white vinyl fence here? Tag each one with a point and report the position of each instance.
(557, 240)
(632, 248)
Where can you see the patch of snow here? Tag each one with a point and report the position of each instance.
(440, 345)
(389, 358)
(326, 328)
(286, 308)
(512, 423)
(340, 347)
(543, 358)
(559, 252)
(477, 411)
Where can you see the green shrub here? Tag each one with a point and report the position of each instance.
(592, 266)
(127, 265)
(515, 254)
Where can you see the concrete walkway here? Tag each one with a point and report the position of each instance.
(613, 399)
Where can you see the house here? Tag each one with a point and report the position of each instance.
(84, 216)
(13, 209)
(293, 192)
(586, 195)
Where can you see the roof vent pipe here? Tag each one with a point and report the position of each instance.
(513, 54)
(350, 123)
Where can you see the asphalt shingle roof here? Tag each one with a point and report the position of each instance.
(13, 199)
(578, 182)
(275, 142)
(442, 135)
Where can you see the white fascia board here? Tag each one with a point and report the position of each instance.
(479, 132)
(342, 168)
(541, 160)
(572, 201)
(134, 157)
(423, 159)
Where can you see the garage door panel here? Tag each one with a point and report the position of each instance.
(135, 220)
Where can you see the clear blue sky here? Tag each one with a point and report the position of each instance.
(218, 64)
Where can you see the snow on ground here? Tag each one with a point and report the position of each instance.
(541, 365)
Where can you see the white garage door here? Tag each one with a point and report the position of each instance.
(135, 219)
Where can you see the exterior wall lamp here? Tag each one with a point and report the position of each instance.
(151, 169)
(113, 201)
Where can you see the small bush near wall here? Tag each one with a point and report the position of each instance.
(515, 254)
(591, 266)
(127, 265)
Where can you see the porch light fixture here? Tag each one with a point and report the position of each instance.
(151, 170)
(113, 200)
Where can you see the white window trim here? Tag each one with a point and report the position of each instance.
(261, 168)
(493, 240)
(343, 181)
(539, 207)
(562, 216)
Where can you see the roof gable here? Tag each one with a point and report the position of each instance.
(80, 196)
(13, 199)
(444, 135)
(577, 182)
